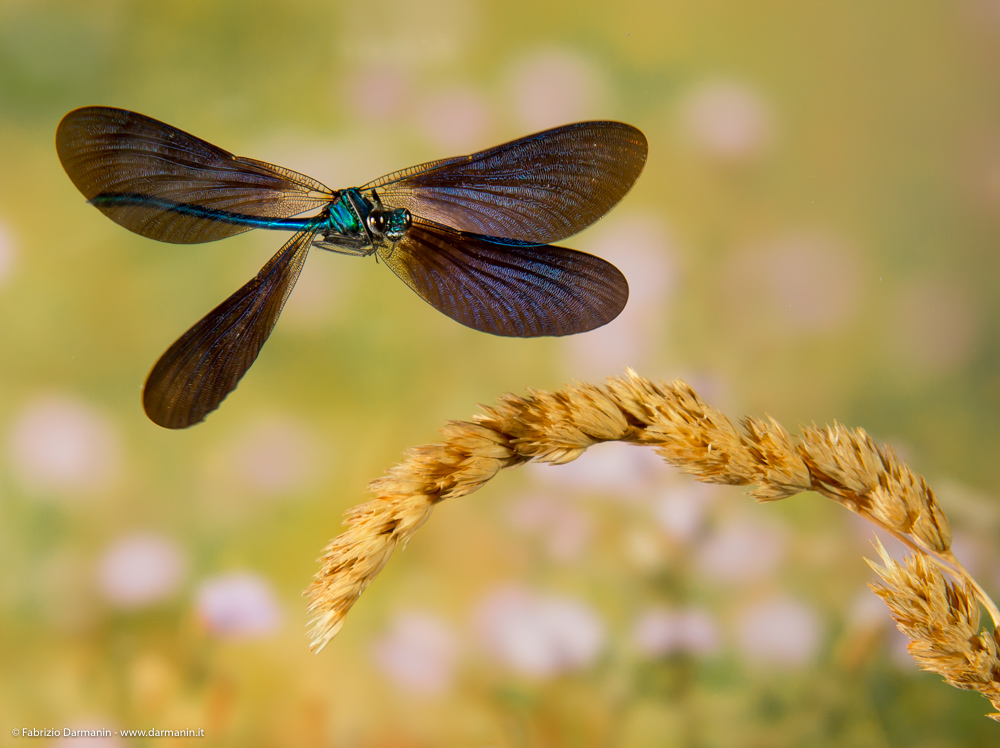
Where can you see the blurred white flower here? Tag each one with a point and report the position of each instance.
(550, 87)
(7, 253)
(61, 444)
(238, 605)
(727, 120)
(565, 529)
(539, 635)
(418, 654)
(455, 120)
(661, 631)
(741, 550)
(140, 570)
(779, 631)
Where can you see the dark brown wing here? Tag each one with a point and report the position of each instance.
(168, 185)
(514, 289)
(541, 188)
(206, 363)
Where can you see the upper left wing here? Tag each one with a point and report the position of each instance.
(165, 184)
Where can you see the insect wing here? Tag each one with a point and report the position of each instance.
(165, 184)
(507, 288)
(540, 188)
(207, 362)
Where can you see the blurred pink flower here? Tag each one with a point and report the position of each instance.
(984, 15)
(7, 253)
(140, 570)
(621, 471)
(379, 93)
(802, 282)
(728, 120)
(565, 529)
(550, 87)
(273, 456)
(238, 605)
(643, 246)
(60, 444)
(418, 654)
(88, 741)
(455, 120)
(681, 509)
(741, 550)
(779, 631)
(661, 631)
(867, 611)
(539, 635)
(933, 325)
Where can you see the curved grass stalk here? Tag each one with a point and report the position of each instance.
(932, 598)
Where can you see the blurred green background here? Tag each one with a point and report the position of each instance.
(815, 235)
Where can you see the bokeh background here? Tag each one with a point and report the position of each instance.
(815, 236)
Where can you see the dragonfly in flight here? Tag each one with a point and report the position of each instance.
(471, 235)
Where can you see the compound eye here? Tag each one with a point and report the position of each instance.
(407, 219)
(377, 222)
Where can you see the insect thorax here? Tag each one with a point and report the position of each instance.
(359, 224)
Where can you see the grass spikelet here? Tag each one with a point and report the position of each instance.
(933, 599)
(941, 619)
(781, 470)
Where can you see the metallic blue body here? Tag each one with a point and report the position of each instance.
(125, 200)
(342, 225)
